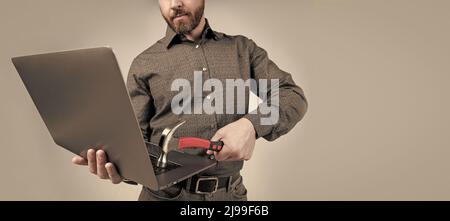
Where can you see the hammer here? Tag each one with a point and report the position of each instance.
(184, 143)
(166, 136)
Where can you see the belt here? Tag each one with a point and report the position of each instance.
(209, 184)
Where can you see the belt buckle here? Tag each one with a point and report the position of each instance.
(206, 179)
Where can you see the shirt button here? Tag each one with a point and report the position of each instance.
(208, 97)
(205, 69)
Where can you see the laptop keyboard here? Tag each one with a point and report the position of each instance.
(154, 151)
(159, 170)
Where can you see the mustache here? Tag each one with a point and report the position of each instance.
(179, 12)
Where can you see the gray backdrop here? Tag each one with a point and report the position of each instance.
(376, 73)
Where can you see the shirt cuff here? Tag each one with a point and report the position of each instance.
(260, 130)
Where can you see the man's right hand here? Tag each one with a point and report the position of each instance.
(98, 164)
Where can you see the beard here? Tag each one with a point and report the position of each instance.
(185, 27)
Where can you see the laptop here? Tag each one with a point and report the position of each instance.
(82, 99)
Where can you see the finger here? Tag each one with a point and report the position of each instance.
(237, 155)
(217, 136)
(101, 162)
(217, 150)
(234, 156)
(79, 161)
(113, 174)
(92, 162)
(215, 156)
(224, 154)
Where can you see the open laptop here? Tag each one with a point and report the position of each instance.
(83, 100)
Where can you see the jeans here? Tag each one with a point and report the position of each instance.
(236, 192)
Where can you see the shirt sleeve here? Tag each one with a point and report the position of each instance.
(141, 97)
(292, 103)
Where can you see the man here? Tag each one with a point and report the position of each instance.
(190, 46)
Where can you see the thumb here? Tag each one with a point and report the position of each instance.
(218, 136)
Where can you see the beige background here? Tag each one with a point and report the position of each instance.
(376, 74)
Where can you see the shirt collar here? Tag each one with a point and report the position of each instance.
(172, 37)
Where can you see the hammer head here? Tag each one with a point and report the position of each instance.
(167, 135)
(165, 139)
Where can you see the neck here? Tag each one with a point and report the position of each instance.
(196, 34)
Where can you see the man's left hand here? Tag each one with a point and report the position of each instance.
(239, 141)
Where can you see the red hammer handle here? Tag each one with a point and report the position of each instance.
(193, 142)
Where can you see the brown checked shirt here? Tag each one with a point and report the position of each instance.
(217, 56)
